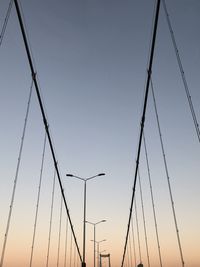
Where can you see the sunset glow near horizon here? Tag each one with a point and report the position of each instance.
(91, 60)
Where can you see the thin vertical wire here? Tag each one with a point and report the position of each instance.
(60, 227)
(38, 201)
(128, 256)
(143, 216)
(5, 21)
(74, 256)
(51, 215)
(133, 237)
(70, 257)
(189, 98)
(126, 262)
(16, 176)
(77, 265)
(138, 232)
(152, 200)
(66, 234)
(167, 175)
(130, 248)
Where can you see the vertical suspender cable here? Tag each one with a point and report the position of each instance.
(66, 234)
(38, 201)
(16, 177)
(138, 232)
(152, 200)
(149, 70)
(133, 236)
(128, 257)
(60, 227)
(167, 175)
(77, 260)
(126, 262)
(33, 72)
(130, 248)
(5, 22)
(74, 256)
(144, 221)
(51, 215)
(189, 98)
(70, 256)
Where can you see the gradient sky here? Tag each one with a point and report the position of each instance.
(91, 60)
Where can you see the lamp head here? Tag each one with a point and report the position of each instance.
(101, 174)
(70, 175)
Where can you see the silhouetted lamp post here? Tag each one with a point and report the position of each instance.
(84, 215)
(94, 224)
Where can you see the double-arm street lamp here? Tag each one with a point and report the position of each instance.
(94, 224)
(98, 249)
(84, 214)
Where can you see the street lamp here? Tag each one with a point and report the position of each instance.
(94, 224)
(84, 215)
(98, 249)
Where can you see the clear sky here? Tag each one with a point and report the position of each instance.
(91, 60)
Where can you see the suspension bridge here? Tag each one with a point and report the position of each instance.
(72, 107)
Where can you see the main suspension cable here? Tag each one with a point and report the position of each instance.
(38, 201)
(189, 98)
(152, 199)
(46, 125)
(149, 70)
(16, 176)
(5, 21)
(167, 175)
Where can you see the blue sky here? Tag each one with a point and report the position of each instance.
(91, 60)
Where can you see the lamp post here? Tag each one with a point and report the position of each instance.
(94, 224)
(98, 249)
(84, 214)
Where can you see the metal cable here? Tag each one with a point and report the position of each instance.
(128, 257)
(74, 256)
(16, 176)
(66, 234)
(46, 125)
(167, 175)
(133, 237)
(130, 248)
(77, 261)
(143, 216)
(138, 232)
(51, 216)
(189, 98)
(152, 199)
(59, 234)
(70, 257)
(38, 200)
(5, 21)
(149, 70)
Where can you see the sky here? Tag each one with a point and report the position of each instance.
(91, 60)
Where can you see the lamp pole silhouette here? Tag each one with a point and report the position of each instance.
(94, 224)
(98, 249)
(84, 214)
